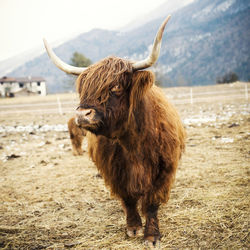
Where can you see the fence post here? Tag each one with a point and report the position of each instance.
(59, 105)
(246, 92)
(191, 96)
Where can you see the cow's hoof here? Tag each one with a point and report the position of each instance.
(77, 152)
(153, 242)
(134, 231)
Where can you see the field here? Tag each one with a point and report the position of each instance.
(51, 199)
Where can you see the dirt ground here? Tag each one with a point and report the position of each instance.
(51, 199)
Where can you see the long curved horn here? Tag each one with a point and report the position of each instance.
(60, 64)
(152, 58)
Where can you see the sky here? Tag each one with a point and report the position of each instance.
(23, 23)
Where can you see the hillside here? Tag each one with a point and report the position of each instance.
(202, 41)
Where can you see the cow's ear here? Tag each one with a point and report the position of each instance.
(141, 82)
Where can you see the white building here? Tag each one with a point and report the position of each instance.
(21, 86)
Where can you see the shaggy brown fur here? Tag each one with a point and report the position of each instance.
(136, 140)
(76, 136)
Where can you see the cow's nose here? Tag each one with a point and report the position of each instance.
(87, 113)
(84, 114)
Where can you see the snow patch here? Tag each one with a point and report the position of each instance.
(199, 120)
(227, 140)
(34, 128)
(224, 6)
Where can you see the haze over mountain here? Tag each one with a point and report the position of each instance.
(164, 9)
(203, 40)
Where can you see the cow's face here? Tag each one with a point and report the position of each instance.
(109, 93)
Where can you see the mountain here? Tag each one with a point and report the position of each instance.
(203, 40)
(208, 39)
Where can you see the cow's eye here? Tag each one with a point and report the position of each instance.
(116, 89)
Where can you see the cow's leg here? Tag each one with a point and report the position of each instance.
(134, 224)
(76, 142)
(76, 136)
(151, 233)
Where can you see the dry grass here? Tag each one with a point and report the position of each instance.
(52, 200)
